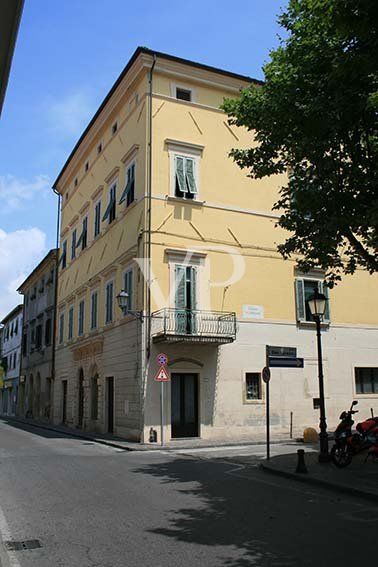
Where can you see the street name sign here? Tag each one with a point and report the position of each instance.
(288, 352)
(285, 362)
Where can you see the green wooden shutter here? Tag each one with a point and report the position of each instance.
(325, 290)
(180, 176)
(107, 211)
(180, 292)
(300, 300)
(180, 299)
(193, 288)
(193, 301)
(189, 175)
(129, 183)
(128, 287)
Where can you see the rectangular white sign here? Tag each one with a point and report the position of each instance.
(253, 312)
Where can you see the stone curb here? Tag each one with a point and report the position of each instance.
(72, 434)
(305, 478)
(137, 446)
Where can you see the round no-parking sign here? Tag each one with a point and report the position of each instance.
(266, 374)
(162, 359)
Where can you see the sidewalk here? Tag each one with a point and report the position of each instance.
(359, 478)
(120, 443)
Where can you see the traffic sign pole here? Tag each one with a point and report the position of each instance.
(162, 413)
(266, 378)
(267, 422)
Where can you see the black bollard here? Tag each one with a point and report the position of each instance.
(301, 465)
(153, 435)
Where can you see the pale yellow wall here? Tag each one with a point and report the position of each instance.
(107, 255)
(268, 280)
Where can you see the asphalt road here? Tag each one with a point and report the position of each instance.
(95, 506)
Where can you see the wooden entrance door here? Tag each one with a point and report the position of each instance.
(110, 401)
(184, 405)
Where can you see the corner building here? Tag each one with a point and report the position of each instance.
(153, 205)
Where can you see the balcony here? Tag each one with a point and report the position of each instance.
(193, 326)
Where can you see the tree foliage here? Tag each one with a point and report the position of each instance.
(316, 117)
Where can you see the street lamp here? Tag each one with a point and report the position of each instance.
(123, 304)
(317, 305)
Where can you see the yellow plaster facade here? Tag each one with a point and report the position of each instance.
(230, 232)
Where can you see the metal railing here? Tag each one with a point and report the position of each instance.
(194, 323)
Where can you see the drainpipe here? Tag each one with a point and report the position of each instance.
(145, 356)
(55, 301)
(149, 207)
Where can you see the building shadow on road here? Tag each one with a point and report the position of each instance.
(231, 512)
(35, 429)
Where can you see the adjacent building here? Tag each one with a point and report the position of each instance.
(11, 358)
(11, 11)
(152, 205)
(37, 367)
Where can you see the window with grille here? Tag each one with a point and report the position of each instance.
(253, 386)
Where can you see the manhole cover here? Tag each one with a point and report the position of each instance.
(22, 545)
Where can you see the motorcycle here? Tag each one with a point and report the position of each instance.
(348, 443)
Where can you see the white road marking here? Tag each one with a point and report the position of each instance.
(7, 558)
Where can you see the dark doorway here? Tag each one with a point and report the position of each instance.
(80, 416)
(64, 399)
(184, 405)
(110, 397)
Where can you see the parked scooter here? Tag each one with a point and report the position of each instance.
(347, 443)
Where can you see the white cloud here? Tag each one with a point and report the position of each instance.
(20, 252)
(69, 115)
(14, 192)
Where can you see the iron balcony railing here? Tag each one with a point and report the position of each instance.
(193, 325)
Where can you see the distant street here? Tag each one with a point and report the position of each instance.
(95, 506)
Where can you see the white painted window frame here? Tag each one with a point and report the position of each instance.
(186, 87)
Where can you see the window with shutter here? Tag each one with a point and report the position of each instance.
(180, 188)
(304, 289)
(109, 303)
(73, 244)
(299, 296)
(128, 287)
(94, 297)
(189, 176)
(97, 219)
(110, 212)
(70, 323)
(128, 192)
(61, 329)
(185, 185)
(81, 318)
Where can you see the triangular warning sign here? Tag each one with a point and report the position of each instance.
(162, 375)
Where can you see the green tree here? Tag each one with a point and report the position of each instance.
(316, 117)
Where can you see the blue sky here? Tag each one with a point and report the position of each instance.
(68, 55)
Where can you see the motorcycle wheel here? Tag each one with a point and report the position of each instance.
(341, 456)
